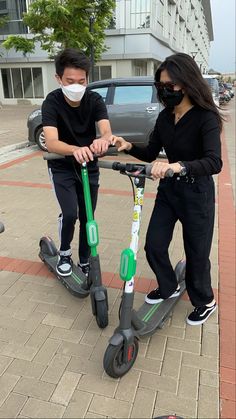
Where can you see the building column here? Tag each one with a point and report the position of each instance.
(150, 68)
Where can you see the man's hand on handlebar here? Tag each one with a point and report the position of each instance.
(99, 146)
(160, 168)
(121, 144)
(83, 154)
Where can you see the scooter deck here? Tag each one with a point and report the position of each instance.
(150, 317)
(75, 283)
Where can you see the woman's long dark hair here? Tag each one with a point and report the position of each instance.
(184, 71)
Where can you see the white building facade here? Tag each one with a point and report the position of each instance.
(143, 33)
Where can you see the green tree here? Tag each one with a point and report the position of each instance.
(57, 24)
(3, 21)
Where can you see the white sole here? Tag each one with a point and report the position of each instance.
(149, 301)
(198, 323)
(66, 274)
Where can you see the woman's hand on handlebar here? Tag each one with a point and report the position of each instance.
(83, 154)
(121, 144)
(159, 169)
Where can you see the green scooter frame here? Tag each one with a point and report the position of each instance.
(123, 346)
(77, 283)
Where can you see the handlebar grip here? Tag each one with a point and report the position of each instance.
(105, 164)
(169, 173)
(148, 169)
(52, 156)
(112, 151)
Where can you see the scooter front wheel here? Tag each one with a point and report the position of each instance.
(47, 247)
(113, 361)
(101, 314)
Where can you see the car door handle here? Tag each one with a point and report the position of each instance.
(150, 109)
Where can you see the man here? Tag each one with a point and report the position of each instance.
(69, 115)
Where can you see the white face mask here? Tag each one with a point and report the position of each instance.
(73, 92)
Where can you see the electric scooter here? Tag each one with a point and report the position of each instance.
(123, 346)
(77, 283)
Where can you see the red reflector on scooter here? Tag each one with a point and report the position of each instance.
(130, 352)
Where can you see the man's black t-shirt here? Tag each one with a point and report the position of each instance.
(75, 125)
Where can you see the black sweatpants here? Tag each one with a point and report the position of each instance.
(194, 205)
(69, 193)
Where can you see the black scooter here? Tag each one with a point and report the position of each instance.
(123, 346)
(77, 283)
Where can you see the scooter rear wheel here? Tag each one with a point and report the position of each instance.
(101, 314)
(113, 359)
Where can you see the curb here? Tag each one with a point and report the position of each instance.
(7, 149)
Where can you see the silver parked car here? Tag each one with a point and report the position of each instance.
(132, 107)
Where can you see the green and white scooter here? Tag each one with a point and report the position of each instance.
(77, 283)
(123, 346)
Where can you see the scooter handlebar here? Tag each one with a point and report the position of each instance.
(114, 165)
(112, 151)
(169, 172)
(130, 167)
(52, 156)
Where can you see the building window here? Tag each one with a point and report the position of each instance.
(13, 10)
(102, 72)
(22, 83)
(3, 6)
(140, 14)
(139, 68)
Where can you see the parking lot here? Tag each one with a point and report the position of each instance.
(51, 349)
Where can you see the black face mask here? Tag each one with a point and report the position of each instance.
(170, 98)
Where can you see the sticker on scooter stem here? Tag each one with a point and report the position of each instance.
(135, 216)
(138, 200)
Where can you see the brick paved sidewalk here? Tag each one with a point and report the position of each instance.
(51, 349)
(13, 127)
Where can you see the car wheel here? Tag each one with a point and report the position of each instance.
(40, 139)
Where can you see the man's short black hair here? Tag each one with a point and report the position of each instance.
(72, 58)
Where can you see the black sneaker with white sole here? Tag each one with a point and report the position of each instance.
(85, 267)
(200, 314)
(64, 266)
(154, 297)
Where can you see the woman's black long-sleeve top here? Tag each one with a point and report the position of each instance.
(194, 140)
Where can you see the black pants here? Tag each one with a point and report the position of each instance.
(194, 205)
(69, 192)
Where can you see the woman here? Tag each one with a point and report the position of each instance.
(189, 129)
